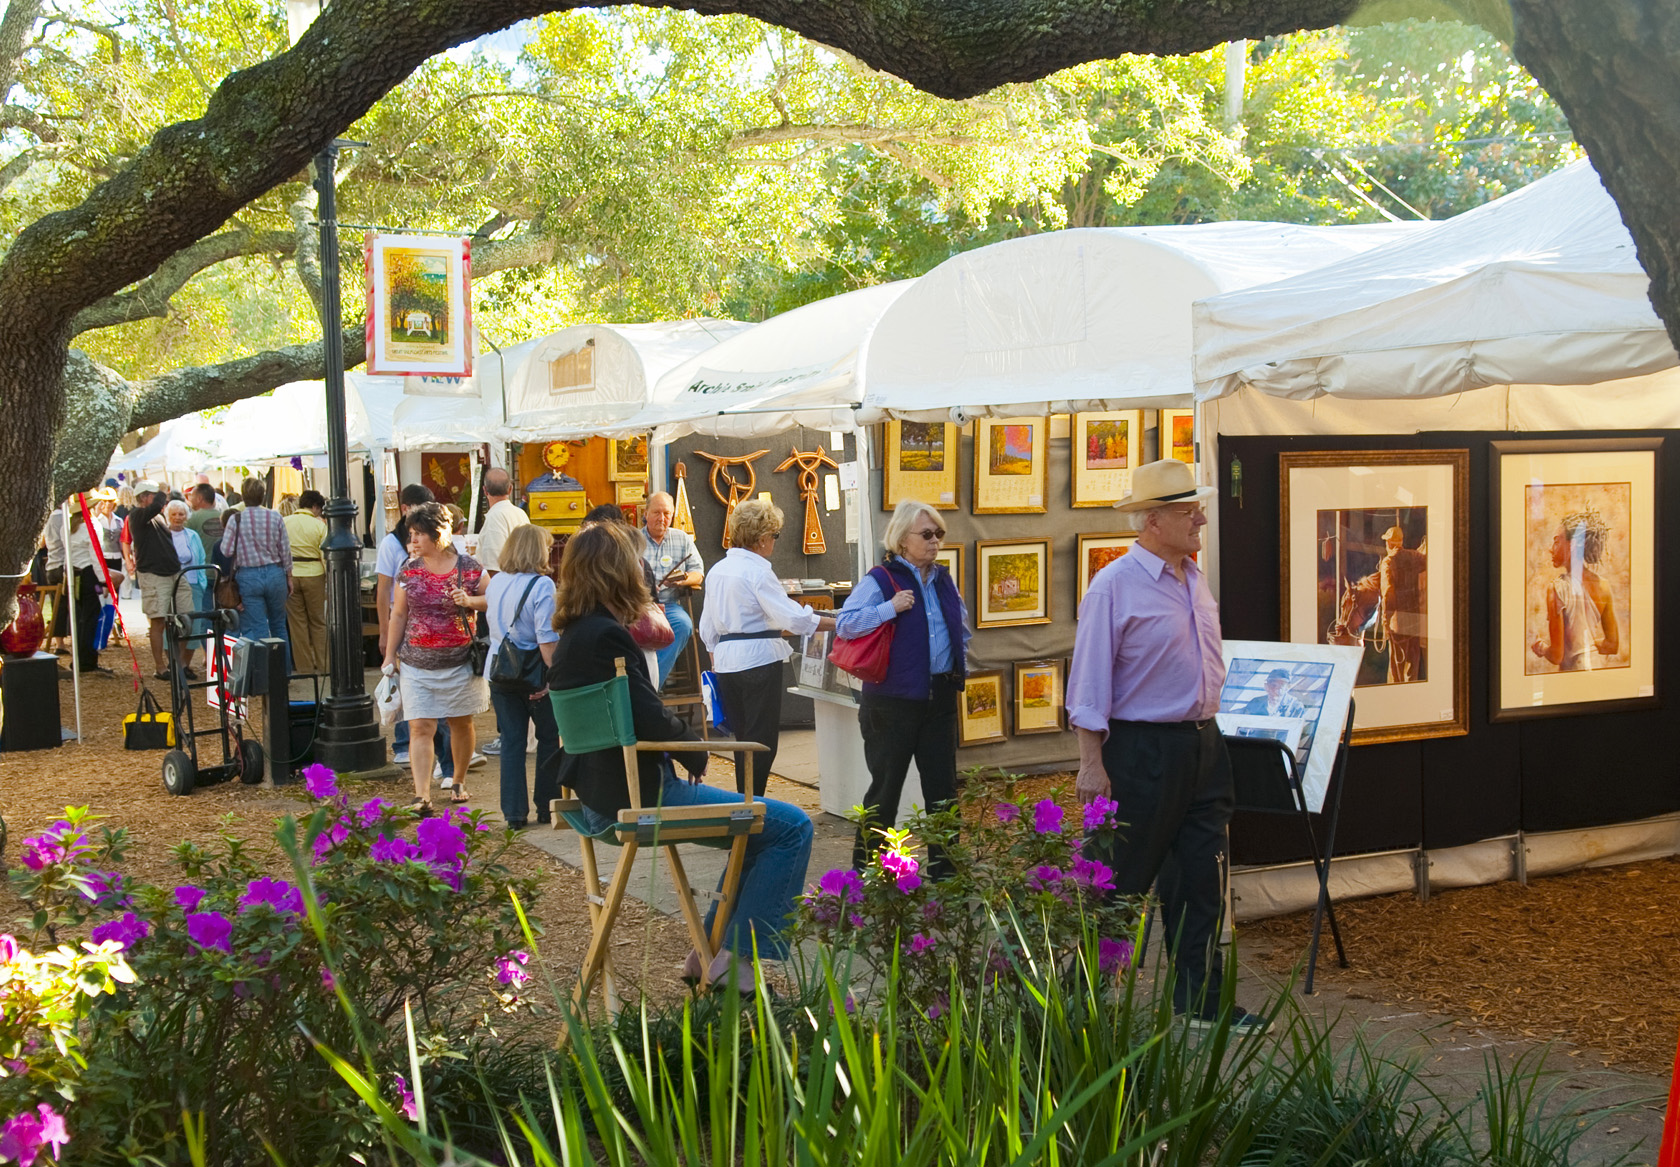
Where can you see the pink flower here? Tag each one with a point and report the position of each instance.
(328, 982)
(1113, 955)
(210, 930)
(406, 1096)
(903, 868)
(105, 887)
(276, 893)
(385, 850)
(931, 911)
(920, 942)
(25, 1134)
(443, 846)
(127, 930)
(50, 846)
(843, 883)
(320, 781)
(510, 969)
(1044, 876)
(371, 811)
(8, 948)
(938, 1008)
(855, 920)
(330, 838)
(1099, 812)
(1007, 812)
(187, 897)
(1047, 817)
(1093, 875)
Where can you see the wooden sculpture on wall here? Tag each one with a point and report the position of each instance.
(808, 464)
(683, 520)
(737, 492)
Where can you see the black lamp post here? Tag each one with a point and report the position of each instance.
(348, 737)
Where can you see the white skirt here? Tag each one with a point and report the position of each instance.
(429, 694)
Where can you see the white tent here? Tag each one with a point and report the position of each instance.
(594, 378)
(1079, 319)
(1542, 286)
(292, 421)
(184, 445)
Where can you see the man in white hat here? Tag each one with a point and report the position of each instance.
(156, 562)
(1400, 584)
(1144, 685)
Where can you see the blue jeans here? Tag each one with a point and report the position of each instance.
(513, 712)
(774, 872)
(263, 592)
(440, 744)
(683, 626)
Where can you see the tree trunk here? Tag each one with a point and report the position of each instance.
(1613, 67)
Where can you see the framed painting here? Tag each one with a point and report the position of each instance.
(1574, 527)
(919, 460)
(627, 459)
(980, 718)
(1039, 692)
(419, 298)
(1296, 693)
(1095, 553)
(1175, 435)
(630, 493)
(1009, 465)
(952, 557)
(1376, 556)
(1011, 582)
(1106, 448)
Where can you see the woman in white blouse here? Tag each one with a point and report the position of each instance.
(746, 612)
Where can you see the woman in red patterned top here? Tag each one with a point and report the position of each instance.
(428, 645)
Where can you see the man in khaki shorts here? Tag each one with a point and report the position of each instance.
(156, 562)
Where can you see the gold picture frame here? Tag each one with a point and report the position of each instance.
(919, 461)
(1012, 582)
(1009, 465)
(627, 459)
(630, 493)
(1575, 576)
(1376, 553)
(951, 555)
(1104, 449)
(980, 711)
(1175, 435)
(1097, 551)
(1040, 696)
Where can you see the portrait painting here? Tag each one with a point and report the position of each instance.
(1106, 448)
(1012, 582)
(1372, 590)
(1009, 464)
(1096, 552)
(1011, 449)
(919, 461)
(1574, 576)
(627, 458)
(1038, 696)
(980, 715)
(419, 312)
(1297, 694)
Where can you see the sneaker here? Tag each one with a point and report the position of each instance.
(437, 772)
(399, 757)
(493, 747)
(1243, 1023)
(476, 760)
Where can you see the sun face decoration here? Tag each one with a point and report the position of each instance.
(556, 456)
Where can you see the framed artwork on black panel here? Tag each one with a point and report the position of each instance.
(980, 717)
(1009, 463)
(951, 555)
(1011, 582)
(1105, 448)
(1039, 690)
(1375, 554)
(1574, 527)
(1095, 553)
(919, 461)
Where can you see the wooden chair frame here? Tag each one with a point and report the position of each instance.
(661, 827)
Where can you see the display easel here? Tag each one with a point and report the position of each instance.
(1268, 781)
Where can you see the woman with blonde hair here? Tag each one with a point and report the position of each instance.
(601, 593)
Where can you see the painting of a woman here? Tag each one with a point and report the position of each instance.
(1580, 615)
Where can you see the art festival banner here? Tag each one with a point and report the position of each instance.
(419, 317)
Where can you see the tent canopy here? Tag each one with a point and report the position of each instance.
(590, 379)
(1542, 286)
(292, 421)
(1087, 318)
(184, 445)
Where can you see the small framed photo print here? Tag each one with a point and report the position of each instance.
(980, 717)
(919, 461)
(951, 556)
(1106, 448)
(1176, 435)
(627, 459)
(1095, 553)
(1009, 464)
(1576, 598)
(1038, 696)
(1011, 582)
(630, 493)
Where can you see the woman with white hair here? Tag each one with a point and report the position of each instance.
(190, 589)
(912, 711)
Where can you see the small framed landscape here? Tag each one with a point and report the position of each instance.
(1038, 696)
(952, 557)
(1176, 435)
(1095, 553)
(980, 717)
(919, 461)
(1106, 448)
(627, 459)
(1011, 582)
(1009, 465)
(1574, 528)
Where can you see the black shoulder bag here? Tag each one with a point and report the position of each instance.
(517, 670)
(478, 648)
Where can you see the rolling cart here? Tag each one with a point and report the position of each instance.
(241, 758)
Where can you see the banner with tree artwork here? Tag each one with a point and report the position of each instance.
(419, 316)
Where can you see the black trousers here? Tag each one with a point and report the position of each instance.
(752, 701)
(84, 583)
(1174, 787)
(895, 730)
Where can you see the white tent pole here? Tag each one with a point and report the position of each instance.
(70, 593)
(472, 488)
(377, 506)
(1207, 435)
(866, 505)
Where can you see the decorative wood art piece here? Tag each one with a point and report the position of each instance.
(919, 461)
(726, 488)
(809, 464)
(1009, 465)
(684, 519)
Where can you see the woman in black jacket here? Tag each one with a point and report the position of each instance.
(601, 592)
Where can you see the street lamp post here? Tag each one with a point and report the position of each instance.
(348, 736)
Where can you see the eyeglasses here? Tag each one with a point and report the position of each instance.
(775, 534)
(932, 534)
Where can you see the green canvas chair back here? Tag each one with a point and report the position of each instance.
(594, 717)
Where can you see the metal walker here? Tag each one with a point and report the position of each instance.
(242, 758)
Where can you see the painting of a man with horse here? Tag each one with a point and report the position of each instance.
(1372, 589)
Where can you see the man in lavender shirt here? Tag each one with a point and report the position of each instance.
(1142, 691)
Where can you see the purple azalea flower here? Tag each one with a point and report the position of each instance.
(1047, 817)
(1113, 955)
(276, 893)
(106, 887)
(406, 1105)
(50, 846)
(371, 811)
(188, 897)
(441, 841)
(26, 1134)
(510, 969)
(1093, 874)
(320, 781)
(210, 930)
(332, 837)
(8, 948)
(1099, 812)
(843, 883)
(127, 930)
(938, 1009)
(1044, 876)
(931, 911)
(903, 869)
(328, 982)
(856, 920)
(1007, 812)
(920, 942)
(388, 850)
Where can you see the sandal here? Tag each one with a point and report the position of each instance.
(422, 806)
(457, 796)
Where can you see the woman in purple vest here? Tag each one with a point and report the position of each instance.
(912, 713)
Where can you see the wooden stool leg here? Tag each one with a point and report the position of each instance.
(691, 913)
(592, 889)
(602, 934)
(731, 885)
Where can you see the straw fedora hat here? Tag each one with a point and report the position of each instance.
(1159, 483)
